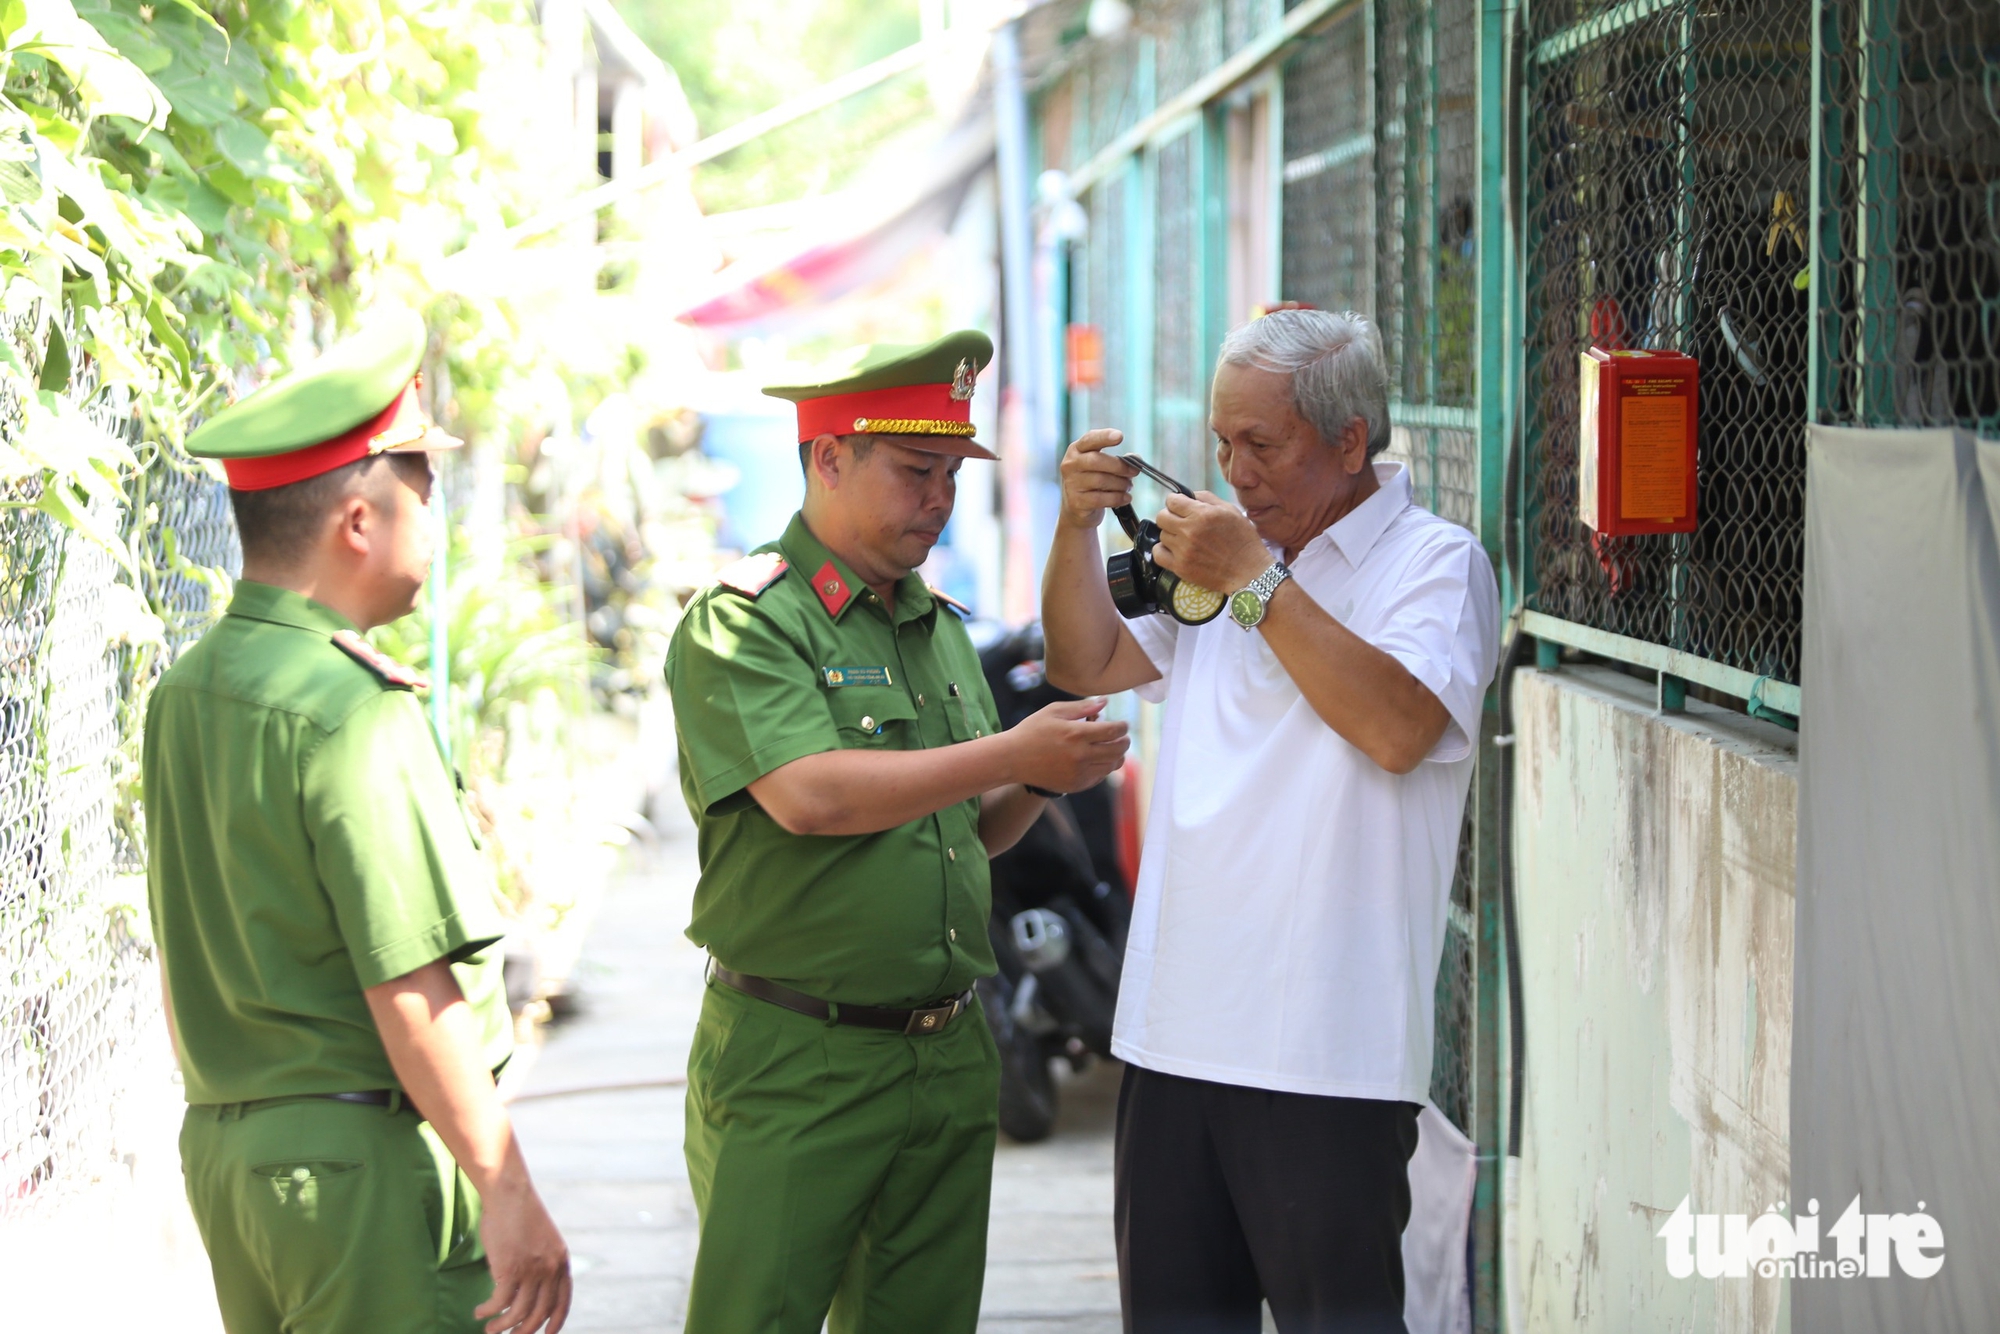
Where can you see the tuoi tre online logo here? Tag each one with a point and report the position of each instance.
(1774, 1246)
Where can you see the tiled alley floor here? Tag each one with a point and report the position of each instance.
(609, 1160)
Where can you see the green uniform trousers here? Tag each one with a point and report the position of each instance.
(840, 1173)
(325, 1217)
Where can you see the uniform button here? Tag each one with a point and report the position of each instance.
(951, 854)
(920, 701)
(302, 1174)
(953, 933)
(867, 723)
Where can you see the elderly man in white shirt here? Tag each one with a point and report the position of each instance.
(1276, 1011)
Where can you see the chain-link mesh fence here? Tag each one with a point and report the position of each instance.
(1328, 254)
(79, 644)
(1908, 289)
(1668, 162)
(1426, 111)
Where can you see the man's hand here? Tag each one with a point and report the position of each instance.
(1210, 543)
(530, 1263)
(1092, 480)
(433, 1044)
(1065, 748)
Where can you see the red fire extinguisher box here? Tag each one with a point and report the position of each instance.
(1635, 442)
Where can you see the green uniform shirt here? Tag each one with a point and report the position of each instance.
(759, 680)
(306, 842)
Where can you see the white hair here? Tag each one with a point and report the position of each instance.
(1335, 361)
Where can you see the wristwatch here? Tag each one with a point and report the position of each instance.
(1248, 605)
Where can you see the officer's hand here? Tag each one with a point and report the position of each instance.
(530, 1264)
(1092, 480)
(1065, 747)
(1210, 543)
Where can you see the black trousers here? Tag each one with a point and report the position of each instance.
(1228, 1196)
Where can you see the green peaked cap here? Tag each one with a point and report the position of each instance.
(349, 383)
(921, 394)
(891, 366)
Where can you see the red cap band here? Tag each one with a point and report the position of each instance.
(274, 470)
(848, 414)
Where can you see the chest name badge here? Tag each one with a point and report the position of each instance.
(856, 676)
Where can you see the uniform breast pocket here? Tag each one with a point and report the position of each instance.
(964, 716)
(872, 717)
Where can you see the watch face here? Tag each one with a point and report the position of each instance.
(1246, 607)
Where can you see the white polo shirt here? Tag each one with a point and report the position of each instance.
(1291, 906)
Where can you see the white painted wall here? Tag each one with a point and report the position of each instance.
(1655, 889)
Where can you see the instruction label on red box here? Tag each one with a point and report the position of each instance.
(1636, 442)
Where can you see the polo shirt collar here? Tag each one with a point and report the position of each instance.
(1357, 531)
(280, 606)
(835, 585)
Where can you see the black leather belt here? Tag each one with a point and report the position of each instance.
(918, 1023)
(370, 1098)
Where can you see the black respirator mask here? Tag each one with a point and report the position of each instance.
(1139, 587)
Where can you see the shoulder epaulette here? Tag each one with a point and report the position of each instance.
(964, 612)
(380, 663)
(753, 574)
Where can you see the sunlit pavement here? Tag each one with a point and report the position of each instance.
(602, 1129)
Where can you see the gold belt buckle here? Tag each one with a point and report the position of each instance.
(924, 1022)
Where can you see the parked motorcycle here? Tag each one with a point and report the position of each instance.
(1061, 910)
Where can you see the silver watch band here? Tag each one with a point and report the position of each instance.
(1265, 584)
(1263, 587)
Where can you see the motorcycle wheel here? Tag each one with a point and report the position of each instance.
(1027, 1088)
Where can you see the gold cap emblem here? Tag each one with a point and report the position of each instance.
(961, 381)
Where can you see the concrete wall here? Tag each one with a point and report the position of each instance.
(1655, 883)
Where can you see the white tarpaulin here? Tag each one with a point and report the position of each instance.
(1443, 1173)
(1896, 1039)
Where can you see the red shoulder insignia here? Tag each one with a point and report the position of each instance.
(753, 574)
(831, 590)
(964, 611)
(380, 663)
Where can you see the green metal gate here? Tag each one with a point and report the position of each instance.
(1804, 197)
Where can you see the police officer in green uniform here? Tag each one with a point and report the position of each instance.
(838, 748)
(326, 924)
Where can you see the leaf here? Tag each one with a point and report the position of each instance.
(19, 182)
(60, 436)
(246, 146)
(111, 85)
(53, 126)
(59, 503)
(97, 205)
(46, 270)
(132, 36)
(162, 326)
(13, 464)
(231, 184)
(209, 210)
(201, 15)
(55, 362)
(14, 368)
